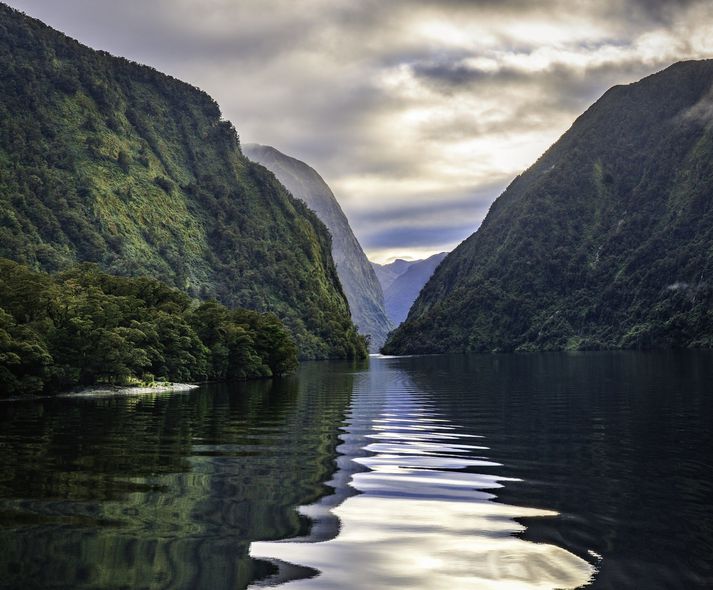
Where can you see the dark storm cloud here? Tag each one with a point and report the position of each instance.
(468, 206)
(580, 85)
(153, 26)
(417, 112)
(659, 11)
(439, 221)
(407, 237)
(447, 74)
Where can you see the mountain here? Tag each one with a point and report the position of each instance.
(402, 281)
(360, 284)
(605, 242)
(388, 273)
(107, 161)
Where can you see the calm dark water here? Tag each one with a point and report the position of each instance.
(513, 471)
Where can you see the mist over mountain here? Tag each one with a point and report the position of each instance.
(605, 242)
(402, 281)
(107, 161)
(363, 291)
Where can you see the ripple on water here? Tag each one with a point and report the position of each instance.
(423, 516)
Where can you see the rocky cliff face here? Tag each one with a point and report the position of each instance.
(106, 161)
(359, 282)
(605, 242)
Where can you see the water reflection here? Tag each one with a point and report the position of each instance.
(424, 515)
(473, 471)
(163, 491)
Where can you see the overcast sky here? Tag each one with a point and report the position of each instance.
(417, 113)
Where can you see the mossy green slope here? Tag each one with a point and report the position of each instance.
(107, 161)
(361, 287)
(605, 242)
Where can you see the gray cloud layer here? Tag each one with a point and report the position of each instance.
(417, 112)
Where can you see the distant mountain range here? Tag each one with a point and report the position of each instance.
(363, 291)
(103, 160)
(388, 273)
(402, 281)
(605, 242)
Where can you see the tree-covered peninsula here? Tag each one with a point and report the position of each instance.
(103, 160)
(83, 327)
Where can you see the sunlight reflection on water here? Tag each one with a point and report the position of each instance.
(422, 516)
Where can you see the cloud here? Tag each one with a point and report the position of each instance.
(700, 113)
(409, 236)
(416, 112)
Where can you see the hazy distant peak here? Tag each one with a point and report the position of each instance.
(402, 280)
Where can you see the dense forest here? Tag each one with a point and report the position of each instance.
(83, 326)
(106, 161)
(605, 242)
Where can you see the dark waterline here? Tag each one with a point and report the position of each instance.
(549, 466)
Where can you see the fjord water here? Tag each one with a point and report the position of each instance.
(508, 471)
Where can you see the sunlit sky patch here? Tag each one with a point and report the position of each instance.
(417, 113)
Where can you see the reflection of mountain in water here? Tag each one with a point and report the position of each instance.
(163, 491)
(424, 517)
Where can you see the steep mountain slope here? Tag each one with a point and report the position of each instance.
(605, 242)
(402, 280)
(360, 284)
(107, 161)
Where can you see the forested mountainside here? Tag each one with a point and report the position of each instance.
(605, 242)
(106, 161)
(402, 281)
(363, 291)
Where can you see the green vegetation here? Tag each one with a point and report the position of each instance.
(605, 242)
(82, 327)
(361, 287)
(106, 161)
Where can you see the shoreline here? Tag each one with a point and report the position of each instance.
(98, 391)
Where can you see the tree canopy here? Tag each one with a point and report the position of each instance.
(83, 327)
